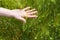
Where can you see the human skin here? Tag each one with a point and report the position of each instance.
(19, 13)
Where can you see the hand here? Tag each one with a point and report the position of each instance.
(26, 12)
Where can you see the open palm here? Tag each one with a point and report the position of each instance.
(26, 12)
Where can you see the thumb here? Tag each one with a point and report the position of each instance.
(21, 18)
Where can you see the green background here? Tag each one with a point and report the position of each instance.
(45, 27)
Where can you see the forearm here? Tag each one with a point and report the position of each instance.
(5, 12)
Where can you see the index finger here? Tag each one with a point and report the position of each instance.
(26, 8)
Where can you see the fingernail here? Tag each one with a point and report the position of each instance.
(24, 21)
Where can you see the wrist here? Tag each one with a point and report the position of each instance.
(5, 12)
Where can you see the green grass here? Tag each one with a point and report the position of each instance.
(45, 27)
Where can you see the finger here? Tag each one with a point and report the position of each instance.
(20, 18)
(23, 19)
(32, 16)
(26, 8)
(30, 10)
(34, 12)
